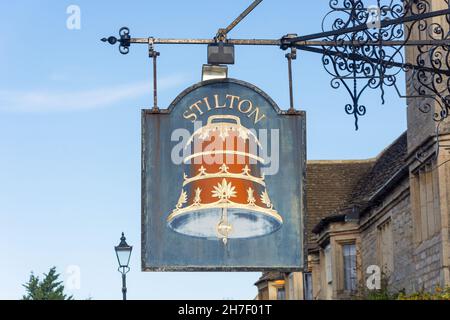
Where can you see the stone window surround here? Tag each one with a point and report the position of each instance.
(383, 226)
(339, 258)
(425, 184)
(348, 234)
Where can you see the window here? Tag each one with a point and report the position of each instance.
(425, 202)
(350, 276)
(281, 293)
(308, 286)
(385, 247)
(328, 269)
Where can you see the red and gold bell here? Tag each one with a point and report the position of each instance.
(224, 195)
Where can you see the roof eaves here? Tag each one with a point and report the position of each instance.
(326, 221)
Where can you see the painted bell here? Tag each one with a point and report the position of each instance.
(224, 194)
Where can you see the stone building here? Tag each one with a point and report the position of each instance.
(389, 214)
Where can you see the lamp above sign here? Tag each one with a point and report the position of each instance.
(223, 182)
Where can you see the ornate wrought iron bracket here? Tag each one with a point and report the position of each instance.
(361, 52)
(362, 48)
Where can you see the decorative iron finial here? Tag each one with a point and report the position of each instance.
(124, 40)
(123, 242)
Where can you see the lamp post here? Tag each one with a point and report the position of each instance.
(123, 252)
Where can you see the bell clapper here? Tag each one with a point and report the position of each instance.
(223, 227)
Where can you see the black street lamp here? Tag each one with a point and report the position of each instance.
(123, 252)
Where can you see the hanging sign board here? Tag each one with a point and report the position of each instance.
(223, 177)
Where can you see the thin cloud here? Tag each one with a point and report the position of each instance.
(51, 101)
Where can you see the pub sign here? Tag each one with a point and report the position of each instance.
(223, 172)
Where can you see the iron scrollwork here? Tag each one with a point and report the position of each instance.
(434, 84)
(124, 40)
(363, 48)
(367, 63)
(368, 47)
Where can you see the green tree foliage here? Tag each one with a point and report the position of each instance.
(437, 294)
(388, 292)
(47, 289)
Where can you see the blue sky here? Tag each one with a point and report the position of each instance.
(70, 129)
